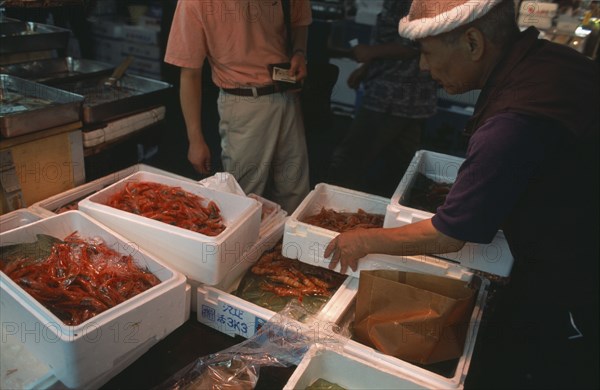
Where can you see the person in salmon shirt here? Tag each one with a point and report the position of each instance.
(261, 127)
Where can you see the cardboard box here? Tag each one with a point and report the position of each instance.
(43, 167)
(84, 354)
(201, 258)
(494, 258)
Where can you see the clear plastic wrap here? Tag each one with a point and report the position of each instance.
(280, 342)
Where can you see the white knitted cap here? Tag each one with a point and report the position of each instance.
(432, 17)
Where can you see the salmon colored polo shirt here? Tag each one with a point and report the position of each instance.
(239, 37)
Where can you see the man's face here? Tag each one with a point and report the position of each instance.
(448, 64)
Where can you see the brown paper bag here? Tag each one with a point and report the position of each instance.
(416, 317)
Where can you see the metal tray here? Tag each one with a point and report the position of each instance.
(56, 70)
(129, 95)
(18, 36)
(27, 106)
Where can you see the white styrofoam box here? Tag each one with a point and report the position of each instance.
(229, 314)
(188, 301)
(141, 34)
(270, 212)
(20, 368)
(431, 265)
(201, 258)
(18, 218)
(342, 94)
(349, 371)
(307, 242)
(107, 49)
(535, 8)
(141, 50)
(107, 27)
(48, 206)
(150, 66)
(123, 126)
(83, 355)
(494, 258)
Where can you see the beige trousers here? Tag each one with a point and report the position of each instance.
(264, 146)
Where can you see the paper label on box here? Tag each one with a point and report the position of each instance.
(232, 319)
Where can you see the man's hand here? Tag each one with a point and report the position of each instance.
(298, 66)
(347, 248)
(199, 157)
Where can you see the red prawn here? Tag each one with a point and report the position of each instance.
(171, 205)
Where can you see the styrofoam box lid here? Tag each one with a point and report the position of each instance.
(349, 371)
(203, 258)
(62, 346)
(48, 206)
(26, 371)
(494, 258)
(18, 218)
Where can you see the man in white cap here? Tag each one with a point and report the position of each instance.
(531, 169)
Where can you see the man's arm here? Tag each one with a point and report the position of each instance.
(298, 59)
(389, 51)
(190, 95)
(420, 238)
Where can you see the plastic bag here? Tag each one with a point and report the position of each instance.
(223, 181)
(280, 342)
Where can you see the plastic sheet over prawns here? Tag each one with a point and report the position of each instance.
(77, 278)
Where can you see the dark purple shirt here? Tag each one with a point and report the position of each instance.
(503, 156)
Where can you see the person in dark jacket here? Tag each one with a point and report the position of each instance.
(531, 169)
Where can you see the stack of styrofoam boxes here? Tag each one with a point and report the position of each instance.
(307, 243)
(142, 41)
(107, 38)
(494, 258)
(203, 259)
(18, 218)
(91, 353)
(27, 371)
(49, 206)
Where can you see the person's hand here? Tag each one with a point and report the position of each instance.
(357, 76)
(363, 53)
(347, 248)
(298, 66)
(199, 157)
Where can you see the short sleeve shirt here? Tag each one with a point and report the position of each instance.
(239, 38)
(397, 87)
(502, 157)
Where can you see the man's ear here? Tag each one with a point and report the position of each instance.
(475, 43)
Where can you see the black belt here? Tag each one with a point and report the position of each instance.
(255, 91)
